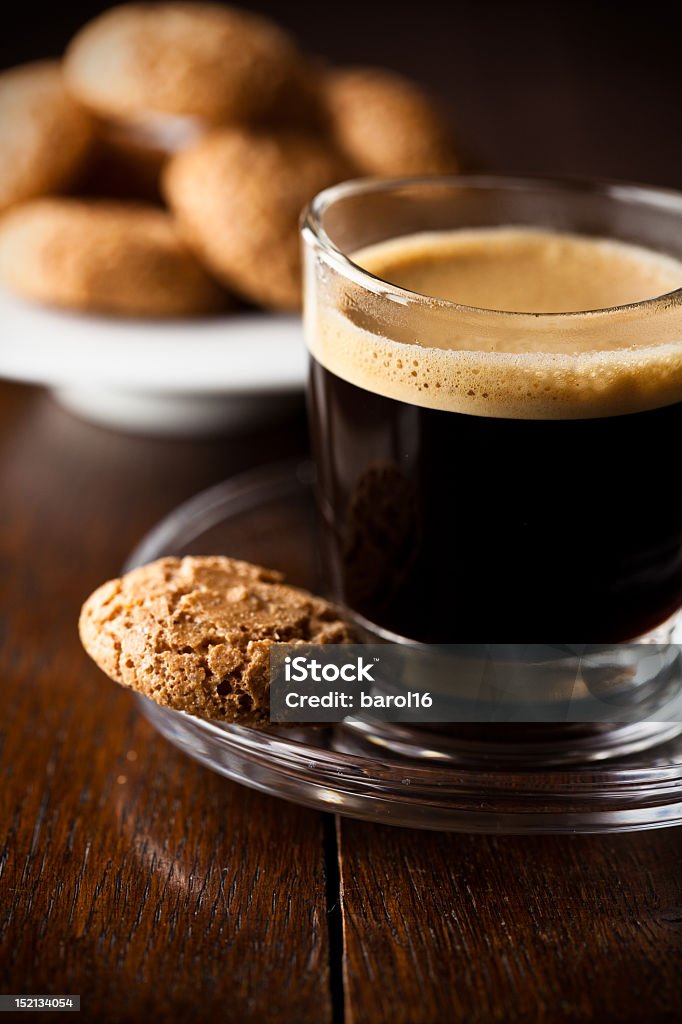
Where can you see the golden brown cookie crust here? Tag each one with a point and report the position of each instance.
(105, 257)
(198, 59)
(238, 195)
(387, 125)
(45, 136)
(194, 634)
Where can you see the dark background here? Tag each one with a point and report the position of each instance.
(577, 89)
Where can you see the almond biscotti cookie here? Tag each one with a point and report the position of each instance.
(238, 195)
(386, 124)
(103, 257)
(45, 136)
(195, 633)
(204, 60)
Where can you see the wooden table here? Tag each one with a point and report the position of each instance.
(160, 891)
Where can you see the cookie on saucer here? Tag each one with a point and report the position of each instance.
(103, 257)
(195, 634)
(238, 195)
(45, 136)
(386, 125)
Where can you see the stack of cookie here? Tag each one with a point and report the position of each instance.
(160, 169)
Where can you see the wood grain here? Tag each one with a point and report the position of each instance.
(476, 929)
(127, 873)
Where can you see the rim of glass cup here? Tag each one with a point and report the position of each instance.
(314, 232)
(316, 236)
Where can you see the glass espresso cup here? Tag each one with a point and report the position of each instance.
(487, 472)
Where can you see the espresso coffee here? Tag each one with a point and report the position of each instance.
(512, 487)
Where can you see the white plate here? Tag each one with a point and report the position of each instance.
(163, 376)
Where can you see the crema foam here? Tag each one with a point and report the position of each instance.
(509, 322)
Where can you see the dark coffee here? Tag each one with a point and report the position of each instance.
(557, 514)
(451, 528)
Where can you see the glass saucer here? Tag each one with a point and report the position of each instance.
(538, 779)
